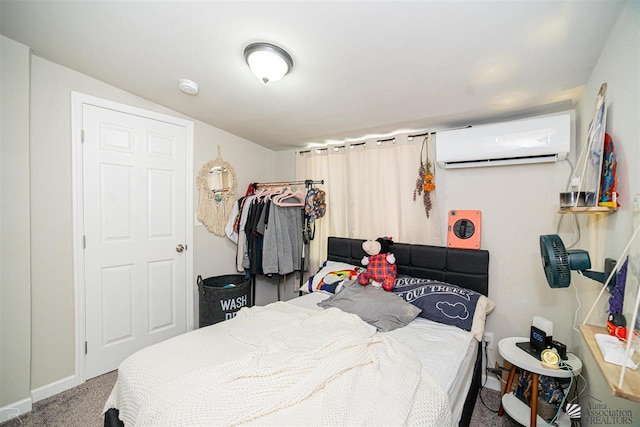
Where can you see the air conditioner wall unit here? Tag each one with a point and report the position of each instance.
(534, 140)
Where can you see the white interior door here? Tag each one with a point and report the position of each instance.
(134, 172)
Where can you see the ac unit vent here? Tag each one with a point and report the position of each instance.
(535, 140)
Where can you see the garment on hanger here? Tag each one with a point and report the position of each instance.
(241, 256)
(229, 230)
(254, 238)
(290, 198)
(282, 240)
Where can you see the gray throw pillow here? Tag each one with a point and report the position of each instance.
(384, 310)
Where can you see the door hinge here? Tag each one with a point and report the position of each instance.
(85, 348)
(82, 136)
(84, 242)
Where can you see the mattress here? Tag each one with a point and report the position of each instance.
(446, 352)
(279, 364)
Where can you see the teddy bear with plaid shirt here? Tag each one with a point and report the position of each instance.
(380, 262)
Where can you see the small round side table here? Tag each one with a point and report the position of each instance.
(519, 358)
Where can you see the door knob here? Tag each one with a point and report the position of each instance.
(180, 248)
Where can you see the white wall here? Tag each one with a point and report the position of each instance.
(15, 314)
(607, 235)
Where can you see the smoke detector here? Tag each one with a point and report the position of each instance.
(188, 86)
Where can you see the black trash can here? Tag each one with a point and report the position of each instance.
(221, 297)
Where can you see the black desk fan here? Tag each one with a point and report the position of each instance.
(558, 263)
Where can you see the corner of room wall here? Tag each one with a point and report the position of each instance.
(607, 235)
(285, 164)
(15, 304)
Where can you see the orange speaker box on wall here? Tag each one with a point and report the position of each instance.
(464, 229)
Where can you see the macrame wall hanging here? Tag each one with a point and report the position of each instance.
(218, 192)
(425, 181)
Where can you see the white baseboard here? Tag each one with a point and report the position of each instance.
(53, 388)
(15, 409)
(492, 382)
(25, 405)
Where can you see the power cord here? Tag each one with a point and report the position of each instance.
(575, 315)
(578, 393)
(486, 377)
(564, 397)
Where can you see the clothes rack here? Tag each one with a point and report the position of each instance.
(308, 183)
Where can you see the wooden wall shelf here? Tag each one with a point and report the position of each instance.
(587, 210)
(631, 386)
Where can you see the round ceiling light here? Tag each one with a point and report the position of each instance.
(188, 86)
(268, 62)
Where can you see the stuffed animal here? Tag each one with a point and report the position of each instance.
(380, 263)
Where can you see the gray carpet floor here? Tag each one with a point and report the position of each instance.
(82, 407)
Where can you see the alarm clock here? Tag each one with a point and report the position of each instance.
(539, 339)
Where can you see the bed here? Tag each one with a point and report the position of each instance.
(296, 363)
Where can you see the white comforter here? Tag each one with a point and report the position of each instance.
(279, 365)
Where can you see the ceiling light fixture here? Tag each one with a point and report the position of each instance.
(188, 86)
(267, 61)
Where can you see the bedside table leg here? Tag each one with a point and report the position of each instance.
(507, 388)
(534, 399)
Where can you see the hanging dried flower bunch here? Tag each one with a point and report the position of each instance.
(424, 182)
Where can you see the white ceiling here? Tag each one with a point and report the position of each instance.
(360, 67)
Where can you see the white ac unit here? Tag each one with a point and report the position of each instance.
(533, 140)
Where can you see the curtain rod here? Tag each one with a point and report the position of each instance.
(306, 182)
(379, 141)
(435, 132)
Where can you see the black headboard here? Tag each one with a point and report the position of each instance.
(468, 268)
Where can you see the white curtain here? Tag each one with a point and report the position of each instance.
(369, 193)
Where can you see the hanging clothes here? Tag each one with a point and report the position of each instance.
(253, 263)
(229, 230)
(268, 227)
(282, 244)
(242, 252)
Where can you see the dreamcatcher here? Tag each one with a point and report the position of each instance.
(424, 182)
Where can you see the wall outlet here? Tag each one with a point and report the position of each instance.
(488, 338)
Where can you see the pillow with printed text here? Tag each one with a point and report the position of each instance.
(446, 303)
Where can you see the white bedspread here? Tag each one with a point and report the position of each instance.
(279, 365)
(448, 353)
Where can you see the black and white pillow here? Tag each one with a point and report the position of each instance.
(446, 303)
